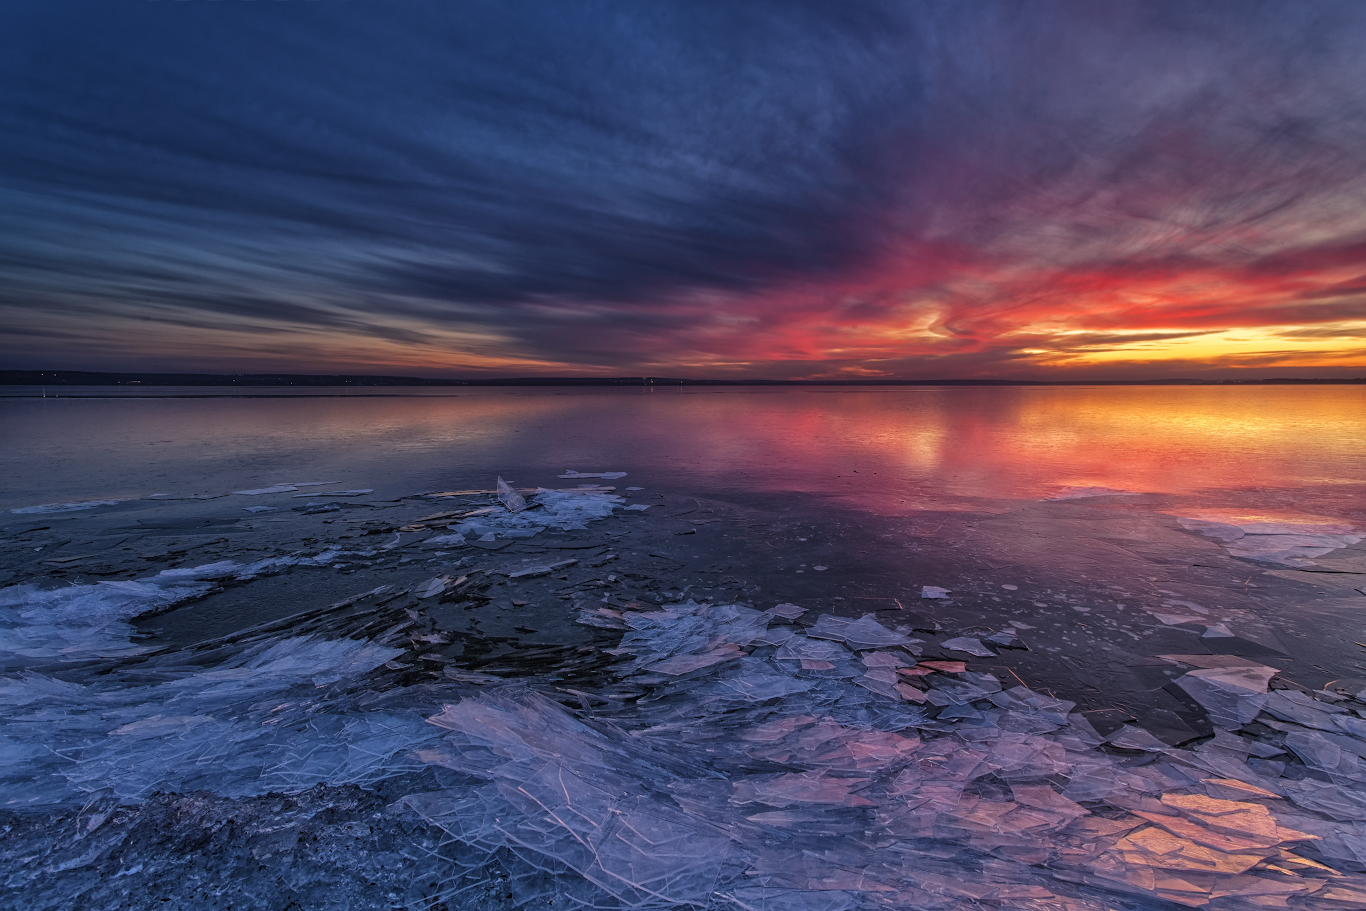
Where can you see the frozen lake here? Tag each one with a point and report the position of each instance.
(1022, 649)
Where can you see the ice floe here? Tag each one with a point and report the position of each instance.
(1289, 543)
(279, 717)
(751, 778)
(731, 758)
(47, 508)
(78, 622)
(1080, 493)
(560, 509)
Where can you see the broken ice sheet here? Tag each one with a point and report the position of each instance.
(432, 587)
(560, 509)
(799, 648)
(1078, 493)
(509, 497)
(887, 659)
(248, 724)
(1233, 696)
(447, 540)
(865, 632)
(969, 645)
(532, 572)
(336, 493)
(62, 507)
(948, 667)
(843, 764)
(1007, 638)
(686, 664)
(676, 797)
(605, 475)
(802, 788)
(1290, 540)
(933, 591)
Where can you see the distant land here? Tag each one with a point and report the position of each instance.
(87, 378)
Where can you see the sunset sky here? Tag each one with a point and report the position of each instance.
(703, 188)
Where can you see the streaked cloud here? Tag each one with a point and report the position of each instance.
(1123, 189)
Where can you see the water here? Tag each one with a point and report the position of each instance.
(885, 449)
(1002, 648)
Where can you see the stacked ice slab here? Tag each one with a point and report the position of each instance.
(559, 509)
(767, 767)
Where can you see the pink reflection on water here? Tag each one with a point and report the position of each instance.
(886, 449)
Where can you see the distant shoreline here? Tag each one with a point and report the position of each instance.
(249, 380)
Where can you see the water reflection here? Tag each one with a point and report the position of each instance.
(888, 448)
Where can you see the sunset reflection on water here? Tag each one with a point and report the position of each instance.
(887, 448)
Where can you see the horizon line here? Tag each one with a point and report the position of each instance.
(141, 378)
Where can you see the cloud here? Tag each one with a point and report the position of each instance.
(782, 189)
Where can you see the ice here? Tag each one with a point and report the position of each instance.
(1007, 638)
(62, 507)
(718, 763)
(1233, 696)
(969, 645)
(260, 491)
(509, 497)
(948, 667)
(683, 664)
(1290, 543)
(1190, 851)
(1129, 737)
(701, 632)
(531, 572)
(572, 793)
(1326, 754)
(334, 493)
(268, 719)
(802, 788)
(1225, 788)
(933, 591)
(82, 621)
(605, 475)
(799, 648)
(559, 509)
(447, 540)
(865, 632)
(1301, 708)
(432, 587)
(1186, 847)
(577, 506)
(1077, 493)
(1154, 847)
(888, 659)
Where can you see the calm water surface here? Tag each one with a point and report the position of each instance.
(887, 449)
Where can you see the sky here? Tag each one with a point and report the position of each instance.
(703, 188)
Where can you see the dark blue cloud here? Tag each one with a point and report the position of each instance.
(371, 169)
(571, 148)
